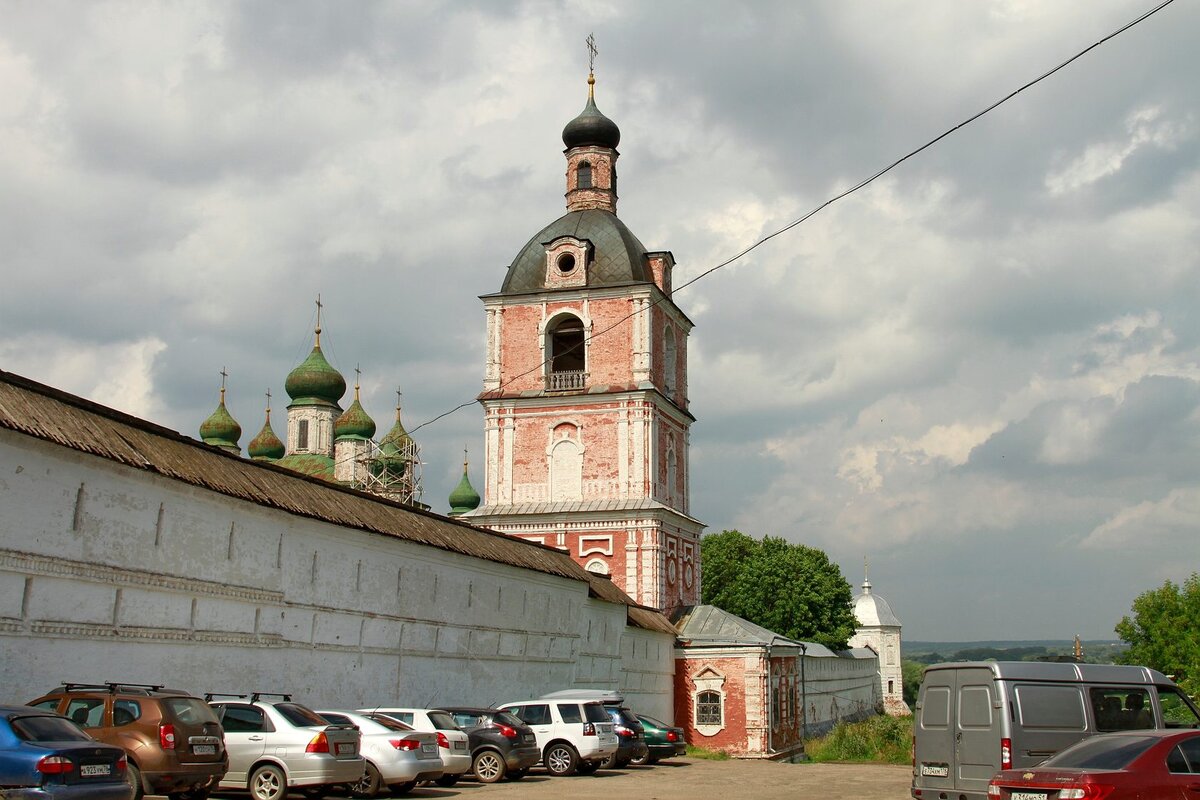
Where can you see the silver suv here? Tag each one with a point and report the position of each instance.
(277, 745)
(574, 736)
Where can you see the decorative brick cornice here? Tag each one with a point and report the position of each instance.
(60, 567)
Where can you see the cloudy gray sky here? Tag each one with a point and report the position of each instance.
(982, 372)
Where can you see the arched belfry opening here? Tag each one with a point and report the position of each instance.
(583, 175)
(566, 362)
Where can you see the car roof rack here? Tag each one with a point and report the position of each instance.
(208, 696)
(254, 698)
(112, 687)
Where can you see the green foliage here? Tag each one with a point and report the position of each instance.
(1093, 653)
(791, 589)
(1164, 632)
(911, 673)
(703, 752)
(879, 739)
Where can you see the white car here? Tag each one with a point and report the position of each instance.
(280, 745)
(454, 744)
(397, 756)
(575, 736)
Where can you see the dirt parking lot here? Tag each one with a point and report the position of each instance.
(689, 779)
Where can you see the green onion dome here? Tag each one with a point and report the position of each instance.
(464, 498)
(315, 379)
(221, 429)
(266, 446)
(354, 422)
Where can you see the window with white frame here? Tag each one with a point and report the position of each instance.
(709, 709)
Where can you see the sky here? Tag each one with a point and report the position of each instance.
(980, 375)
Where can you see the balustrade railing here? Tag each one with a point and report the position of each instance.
(566, 380)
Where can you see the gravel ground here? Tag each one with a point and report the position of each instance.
(689, 779)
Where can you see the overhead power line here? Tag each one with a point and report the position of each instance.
(842, 195)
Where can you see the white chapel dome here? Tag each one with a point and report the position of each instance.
(871, 610)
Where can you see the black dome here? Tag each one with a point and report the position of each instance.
(591, 128)
(618, 257)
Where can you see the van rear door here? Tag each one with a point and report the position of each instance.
(933, 733)
(978, 730)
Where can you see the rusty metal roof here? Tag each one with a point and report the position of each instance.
(55, 416)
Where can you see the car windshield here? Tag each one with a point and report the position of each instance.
(442, 721)
(389, 723)
(47, 729)
(189, 710)
(300, 716)
(505, 718)
(595, 712)
(1102, 752)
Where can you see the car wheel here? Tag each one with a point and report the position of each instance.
(402, 788)
(268, 783)
(560, 759)
(516, 774)
(587, 768)
(641, 761)
(447, 780)
(488, 766)
(612, 762)
(134, 776)
(368, 785)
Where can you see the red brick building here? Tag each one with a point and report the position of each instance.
(585, 391)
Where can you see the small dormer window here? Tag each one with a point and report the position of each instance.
(583, 175)
(566, 263)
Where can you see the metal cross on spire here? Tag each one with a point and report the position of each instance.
(318, 331)
(268, 403)
(224, 375)
(592, 51)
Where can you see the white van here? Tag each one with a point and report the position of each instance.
(973, 719)
(574, 736)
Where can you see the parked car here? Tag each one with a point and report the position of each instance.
(501, 745)
(173, 740)
(631, 739)
(278, 745)
(1131, 765)
(454, 743)
(662, 740)
(573, 736)
(396, 756)
(44, 756)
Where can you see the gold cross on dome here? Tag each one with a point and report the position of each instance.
(592, 51)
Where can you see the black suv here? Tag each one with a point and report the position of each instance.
(631, 737)
(501, 744)
(173, 740)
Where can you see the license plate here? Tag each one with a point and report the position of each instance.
(204, 749)
(460, 745)
(1028, 796)
(343, 749)
(529, 737)
(428, 748)
(942, 771)
(95, 769)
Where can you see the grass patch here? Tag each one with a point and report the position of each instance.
(881, 739)
(703, 752)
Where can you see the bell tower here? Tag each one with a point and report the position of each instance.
(585, 390)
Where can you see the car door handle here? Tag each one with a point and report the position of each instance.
(255, 738)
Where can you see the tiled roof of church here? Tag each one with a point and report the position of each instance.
(55, 416)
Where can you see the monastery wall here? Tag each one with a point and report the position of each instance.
(112, 573)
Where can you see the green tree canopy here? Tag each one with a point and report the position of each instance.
(1164, 632)
(791, 589)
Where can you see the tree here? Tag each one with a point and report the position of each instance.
(1164, 632)
(911, 675)
(791, 589)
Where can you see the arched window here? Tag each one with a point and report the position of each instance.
(567, 360)
(566, 471)
(596, 566)
(583, 175)
(302, 435)
(672, 472)
(708, 709)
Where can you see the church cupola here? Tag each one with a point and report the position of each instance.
(221, 429)
(591, 140)
(464, 498)
(316, 389)
(266, 446)
(352, 433)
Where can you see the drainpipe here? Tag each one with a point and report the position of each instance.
(770, 706)
(803, 693)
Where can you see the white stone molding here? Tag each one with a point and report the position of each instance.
(595, 544)
(708, 679)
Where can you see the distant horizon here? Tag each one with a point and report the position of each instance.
(1004, 644)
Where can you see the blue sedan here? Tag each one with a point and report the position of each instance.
(44, 756)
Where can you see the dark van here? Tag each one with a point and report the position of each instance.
(973, 719)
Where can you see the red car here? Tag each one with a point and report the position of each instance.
(1129, 765)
